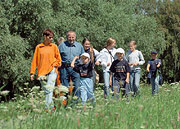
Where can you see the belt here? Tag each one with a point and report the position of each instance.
(66, 65)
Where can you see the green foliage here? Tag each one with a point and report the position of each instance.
(166, 13)
(22, 23)
(14, 66)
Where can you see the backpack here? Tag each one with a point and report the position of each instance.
(154, 70)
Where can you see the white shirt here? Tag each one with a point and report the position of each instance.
(105, 57)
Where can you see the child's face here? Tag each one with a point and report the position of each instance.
(84, 59)
(154, 56)
(119, 55)
(132, 46)
(86, 45)
(113, 45)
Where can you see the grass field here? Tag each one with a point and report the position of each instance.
(161, 111)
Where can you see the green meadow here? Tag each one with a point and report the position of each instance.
(145, 111)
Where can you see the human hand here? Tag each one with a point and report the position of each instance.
(127, 80)
(59, 65)
(135, 64)
(32, 77)
(76, 57)
(108, 64)
(130, 64)
(110, 82)
(97, 63)
(159, 64)
(148, 70)
(91, 49)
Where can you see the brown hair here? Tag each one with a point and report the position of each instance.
(109, 42)
(48, 32)
(134, 42)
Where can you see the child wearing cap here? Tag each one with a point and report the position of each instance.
(121, 70)
(153, 69)
(85, 69)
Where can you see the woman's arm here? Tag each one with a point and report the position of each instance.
(91, 54)
(142, 61)
(34, 64)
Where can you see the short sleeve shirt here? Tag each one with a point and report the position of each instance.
(153, 64)
(120, 68)
(85, 70)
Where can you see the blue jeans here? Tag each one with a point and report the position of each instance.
(48, 88)
(120, 86)
(155, 84)
(86, 88)
(106, 83)
(65, 74)
(135, 80)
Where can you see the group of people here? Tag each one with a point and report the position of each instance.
(76, 62)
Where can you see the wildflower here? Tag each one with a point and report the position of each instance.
(75, 98)
(49, 87)
(26, 84)
(63, 89)
(21, 118)
(42, 78)
(37, 110)
(35, 88)
(62, 98)
(4, 93)
(140, 107)
(142, 127)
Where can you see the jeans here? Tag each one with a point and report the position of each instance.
(86, 88)
(106, 83)
(120, 86)
(155, 84)
(94, 78)
(48, 88)
(65, 74)
(135, 80)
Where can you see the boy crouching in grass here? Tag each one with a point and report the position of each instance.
(121, 70)
(153, 69)
(85, 69)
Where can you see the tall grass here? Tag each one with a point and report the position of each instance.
(146, 111)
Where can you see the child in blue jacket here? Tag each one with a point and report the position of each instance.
(153, 69)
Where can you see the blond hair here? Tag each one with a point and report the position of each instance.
(109, 42)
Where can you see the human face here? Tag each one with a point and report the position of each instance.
(120, 55)
(113, 45)
(84, 59)
(86, 45)
(71, 37)
(154, 56)
(48, 39)
(132, 47)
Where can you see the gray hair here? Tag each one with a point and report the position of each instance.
(71, 31)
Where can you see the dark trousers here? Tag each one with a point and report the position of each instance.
(65, 74)
(120, 86)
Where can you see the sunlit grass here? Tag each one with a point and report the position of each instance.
(144, 111)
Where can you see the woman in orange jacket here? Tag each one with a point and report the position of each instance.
(47, 60)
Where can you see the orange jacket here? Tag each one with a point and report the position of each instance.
(45, 58)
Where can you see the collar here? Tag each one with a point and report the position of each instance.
(42, 45)
(72, 45)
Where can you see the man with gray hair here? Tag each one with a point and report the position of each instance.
(68, 50)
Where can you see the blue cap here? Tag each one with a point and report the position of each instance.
(154, 52)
